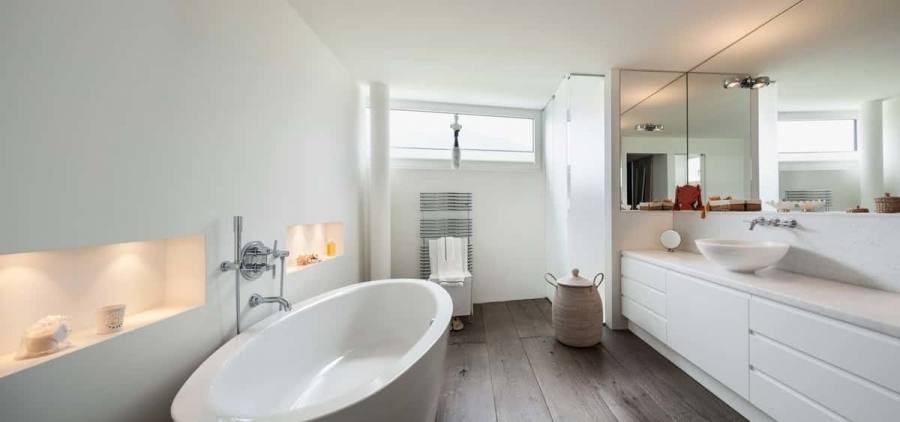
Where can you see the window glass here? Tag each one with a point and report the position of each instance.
(817, 136)
(427, 135)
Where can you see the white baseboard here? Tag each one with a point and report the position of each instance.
(738, 403)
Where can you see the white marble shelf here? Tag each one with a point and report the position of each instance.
(84, 338)
(876, 310)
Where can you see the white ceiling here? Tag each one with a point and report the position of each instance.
(514, 52)
(824, 54)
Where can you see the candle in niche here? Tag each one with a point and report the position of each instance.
(331, 248)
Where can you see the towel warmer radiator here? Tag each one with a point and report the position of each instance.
(443, 214)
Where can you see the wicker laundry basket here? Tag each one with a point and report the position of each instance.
(577, 309)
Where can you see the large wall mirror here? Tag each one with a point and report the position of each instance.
(680, 129)
(653, 133)
(826, 127)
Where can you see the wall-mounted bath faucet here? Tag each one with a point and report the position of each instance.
(772, 222)
(256, 299)
(251, 261)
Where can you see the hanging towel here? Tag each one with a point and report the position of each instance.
(449, 259)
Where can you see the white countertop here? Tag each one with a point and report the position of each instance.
(876, 310)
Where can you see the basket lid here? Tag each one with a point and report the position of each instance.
(575, 280)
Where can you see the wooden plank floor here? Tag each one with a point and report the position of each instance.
(507, 367)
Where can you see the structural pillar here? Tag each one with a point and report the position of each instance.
(891, 140)
(871, 153)
(379, 182)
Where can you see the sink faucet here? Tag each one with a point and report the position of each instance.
(776, 222)
(757, 220)
(257, 300)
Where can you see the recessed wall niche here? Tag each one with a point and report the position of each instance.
(155, 279)
(313, 239)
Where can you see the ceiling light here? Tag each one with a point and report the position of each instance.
(732, 83)
(747, 82)
(648, 127)
(760, 82)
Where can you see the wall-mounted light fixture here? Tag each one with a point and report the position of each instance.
(747, 82)
(648, 127)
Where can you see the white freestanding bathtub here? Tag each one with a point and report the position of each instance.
(371, 351)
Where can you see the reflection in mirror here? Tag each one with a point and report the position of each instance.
(653, 135)
(829, 127)
(719, 138)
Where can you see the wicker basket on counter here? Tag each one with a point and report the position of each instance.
(888, 204)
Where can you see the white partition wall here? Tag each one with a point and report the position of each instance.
(576, 159)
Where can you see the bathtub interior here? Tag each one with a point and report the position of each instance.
(343, 347)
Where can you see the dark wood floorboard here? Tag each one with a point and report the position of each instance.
(474, 331)
(498, 322)
(506, 366)
(682, 396)
(529, 319)
(468, 394)
(570, 393)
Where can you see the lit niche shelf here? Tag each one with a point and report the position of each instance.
(308, 239)
(155, 279)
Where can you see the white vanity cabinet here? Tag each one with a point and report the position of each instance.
(644, 296)
(708, 325)
(842, 372)
(766, 358)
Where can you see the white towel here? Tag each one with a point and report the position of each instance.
(449, 259)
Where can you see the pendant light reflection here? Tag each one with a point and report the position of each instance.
(747, 82)
(648, 127)
(455, 158)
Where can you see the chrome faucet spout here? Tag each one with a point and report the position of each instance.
(756, 221)
(257, 300)
(774, 222)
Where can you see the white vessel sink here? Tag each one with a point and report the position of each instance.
(742, 255)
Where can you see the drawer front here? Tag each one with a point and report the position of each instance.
(784, 404)
(644, 318)
(707, 324)
(862, 352)
(839, 391)
(648, 274)
(639, 292)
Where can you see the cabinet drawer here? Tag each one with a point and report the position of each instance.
(648, 274)
(862, 352)
(707, 324)
(839, 391)
(784, 404)
(644, 318)
(644, 295)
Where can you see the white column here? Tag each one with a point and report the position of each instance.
(871, 163)
(379, 182)
(765, 171)
(891, 141)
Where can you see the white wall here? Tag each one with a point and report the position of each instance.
(508, 227)
(843, 182)
(147, 120)
(851, 248)
(578, 188)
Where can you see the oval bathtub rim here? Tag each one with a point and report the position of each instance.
(199, 383)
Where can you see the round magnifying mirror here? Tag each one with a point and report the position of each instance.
(670, 239)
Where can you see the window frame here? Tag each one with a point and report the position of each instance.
(822, 156)
(536, 116)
